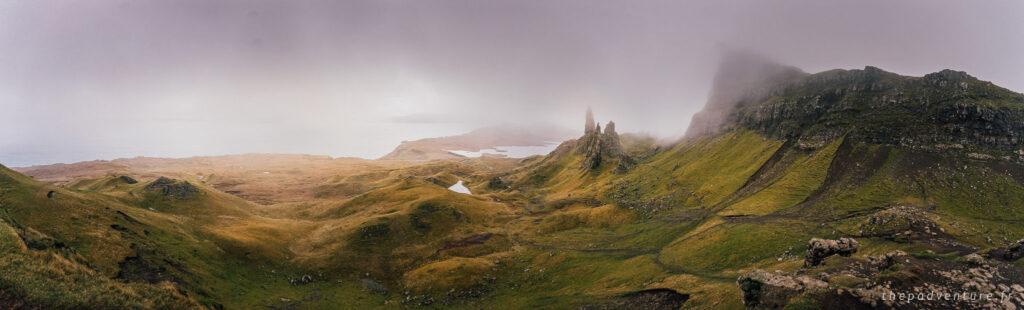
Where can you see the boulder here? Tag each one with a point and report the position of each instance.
(1011, 252)
(304, 279)
(901, 224)
(975, 259)
(887, 260)
(173, 188)
(768, 290)
(373, 286)
(819, 249)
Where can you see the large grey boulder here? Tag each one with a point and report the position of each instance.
(819, 249)
(773, 290)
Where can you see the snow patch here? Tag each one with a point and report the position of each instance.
(459, 188)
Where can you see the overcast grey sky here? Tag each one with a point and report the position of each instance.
(101, 79)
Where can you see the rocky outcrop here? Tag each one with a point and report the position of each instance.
(910, 224)
(970, 282)
(1010, 253)
(819, 249)
(610, 140)
(773, 290)
(900, 223)
(127, 179)
(590, 147)
(895, 280)
(601, 148)
(173, 188)
(887, 260)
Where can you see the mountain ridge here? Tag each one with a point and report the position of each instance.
(943, 111)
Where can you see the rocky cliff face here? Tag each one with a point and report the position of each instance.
(946, 110)
(943, 110)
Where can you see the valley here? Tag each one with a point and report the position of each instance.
(925, 173)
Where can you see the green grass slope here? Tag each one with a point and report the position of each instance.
(38, 270)
(814, 159)
(709, 209)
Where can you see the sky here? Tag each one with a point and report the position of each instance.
(84, 80)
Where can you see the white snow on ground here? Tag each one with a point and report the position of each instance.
(459, 188)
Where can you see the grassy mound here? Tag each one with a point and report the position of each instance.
(457, 273)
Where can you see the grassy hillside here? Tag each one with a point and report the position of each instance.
(922, 172)
(35, 278)
(690, 218)
(130, 247)
(39, 270)
(710, 209)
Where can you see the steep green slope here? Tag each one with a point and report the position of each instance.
(65, 271)
(697, 174)
(770, 206)
(33, 278)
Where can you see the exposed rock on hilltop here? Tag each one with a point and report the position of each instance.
(173, 189)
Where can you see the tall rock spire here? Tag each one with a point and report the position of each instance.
(600, 148)
(610, 144)
(590, 126)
